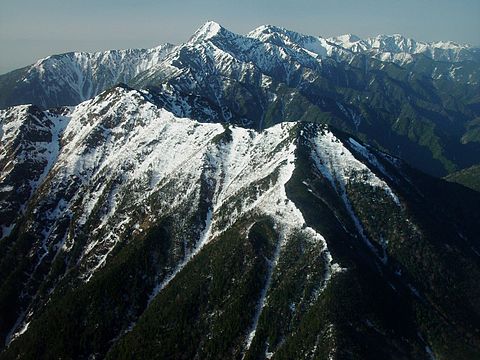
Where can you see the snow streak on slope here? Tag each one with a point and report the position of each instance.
(255, 168)
(338, 164)
(341, 168)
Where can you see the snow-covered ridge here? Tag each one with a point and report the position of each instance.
(120, 146)
(400, 49)
(396, 48)
(119, 164)
(341, 167)
(315, 46)
(68, 79)
(121, 136)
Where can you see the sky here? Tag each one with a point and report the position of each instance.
(33, 29)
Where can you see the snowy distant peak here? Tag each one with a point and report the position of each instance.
(266, 32)
(394, 43)
(154, 53)
(390, 43)
(449, 45)
(401, 49)
(399, 42)
(280, 36)
(345, 39)
(286, 38)
(350, 38)
(438, 51)
(208, 31)
(350, 42)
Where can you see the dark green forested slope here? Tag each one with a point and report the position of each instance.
(469, 177)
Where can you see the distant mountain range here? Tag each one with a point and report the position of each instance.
(419, 101)
(242, 197)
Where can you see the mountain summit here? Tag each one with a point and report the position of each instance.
(207, 31)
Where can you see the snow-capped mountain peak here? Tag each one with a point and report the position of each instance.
(449, 45)
(350, 42)
(314, 46)
(207, 31)
(393, 43)
(265, 30)
(349, 38)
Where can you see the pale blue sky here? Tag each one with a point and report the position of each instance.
(31, 29)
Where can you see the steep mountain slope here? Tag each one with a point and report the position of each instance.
(68, 79)
(146, 235)
(28, 151)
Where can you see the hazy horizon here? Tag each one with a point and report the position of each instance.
(31, 30)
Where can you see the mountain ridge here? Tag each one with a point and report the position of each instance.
(82, 75)
(326, 45)
(160, 202)
(422, 110)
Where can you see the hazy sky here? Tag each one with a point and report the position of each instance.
(32, 29)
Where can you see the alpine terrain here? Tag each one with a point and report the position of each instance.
(250, 196)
